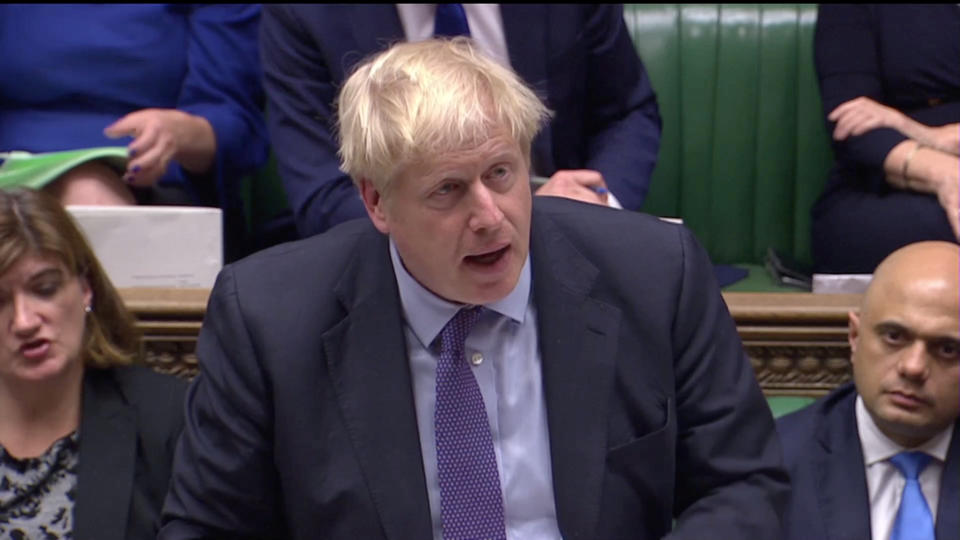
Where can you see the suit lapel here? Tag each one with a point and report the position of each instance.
(366, 355)
(578, 344)
(948, 507)
(527, 45)
(108, 445)
(841, 481)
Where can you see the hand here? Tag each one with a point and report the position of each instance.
(944, 138)
(582, 185)
(162, 135)
(862, 114)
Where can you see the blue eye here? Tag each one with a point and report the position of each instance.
(446, 188)
(499, 172)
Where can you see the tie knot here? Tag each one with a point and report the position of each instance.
(455, 333)
(451, 20)
(910, 464)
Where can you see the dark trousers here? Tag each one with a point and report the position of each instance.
(853, 230)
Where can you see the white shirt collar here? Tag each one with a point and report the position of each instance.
(427, 313)
(878, 447)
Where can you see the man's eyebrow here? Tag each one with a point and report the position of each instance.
(891, 325)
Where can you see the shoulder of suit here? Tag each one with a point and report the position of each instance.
(802, 423)
(332, 249)
(560, 207)
(141, 385)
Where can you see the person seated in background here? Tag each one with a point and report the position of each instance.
(879, 458)
(890, 84)
(86, 436)
(471, 361)
(600, 147)
(178, 84)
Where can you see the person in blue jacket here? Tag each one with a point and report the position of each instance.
(178, 85)
(600, 146)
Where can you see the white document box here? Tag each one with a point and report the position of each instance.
(155, 246)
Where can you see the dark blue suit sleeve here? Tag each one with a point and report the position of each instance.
(222, 85)
(300, 90)
(848, 67)
(623, 121)
(730, 477)
(224, 484)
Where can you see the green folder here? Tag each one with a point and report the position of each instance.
(24, 169)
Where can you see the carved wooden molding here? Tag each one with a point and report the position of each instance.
(796, 342)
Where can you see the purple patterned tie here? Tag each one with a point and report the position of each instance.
(471, 504)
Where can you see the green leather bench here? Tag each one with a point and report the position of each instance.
(744, 150)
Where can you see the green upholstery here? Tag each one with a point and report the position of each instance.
(744, 150)
(267, 213)
(781, 405)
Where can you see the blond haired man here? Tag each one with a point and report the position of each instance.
(470, 363)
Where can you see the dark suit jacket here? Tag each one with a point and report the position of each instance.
(578, 57)
(302, 424)
(129, 426)
(829, 498)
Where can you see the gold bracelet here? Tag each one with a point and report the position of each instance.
(906, 165)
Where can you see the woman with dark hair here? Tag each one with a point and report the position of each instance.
(86, 436)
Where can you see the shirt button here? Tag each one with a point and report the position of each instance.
(476, 359)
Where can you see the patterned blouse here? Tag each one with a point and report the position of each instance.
(37, 494)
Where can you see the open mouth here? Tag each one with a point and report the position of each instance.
(35, 349)
(487, 259)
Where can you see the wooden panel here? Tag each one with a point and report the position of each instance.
(796, 342)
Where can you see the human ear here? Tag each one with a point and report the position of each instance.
(853, 332)
(373, 201)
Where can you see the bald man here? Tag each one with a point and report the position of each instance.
(853, 455)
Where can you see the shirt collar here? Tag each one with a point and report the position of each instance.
(427, 313)
(878, 447)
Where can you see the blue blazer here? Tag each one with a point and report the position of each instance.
(579, 57)
(829, 498)
(302, 422)
(71, 70)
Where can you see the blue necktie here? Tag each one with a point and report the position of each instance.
(451, 21)
(471, 503)
(914, 520)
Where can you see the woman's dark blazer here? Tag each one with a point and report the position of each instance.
(131, 419)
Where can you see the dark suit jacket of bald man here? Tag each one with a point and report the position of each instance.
(302, 422)
(578, 57)
(823, 456)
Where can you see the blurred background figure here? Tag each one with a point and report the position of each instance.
(890, 84)
(86, 436)
(603, 139)
(178, 85)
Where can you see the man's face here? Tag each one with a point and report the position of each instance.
(461, 221)
(906, 359)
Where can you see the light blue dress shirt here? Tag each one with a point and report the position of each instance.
(508, 373)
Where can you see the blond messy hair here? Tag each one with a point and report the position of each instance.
(417, 100)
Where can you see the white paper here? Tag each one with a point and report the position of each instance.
(155, 246)
(841, 283)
